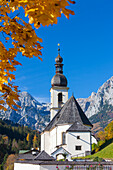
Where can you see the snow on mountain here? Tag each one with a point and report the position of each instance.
(104, 96)
(37, 115)
(32, 113)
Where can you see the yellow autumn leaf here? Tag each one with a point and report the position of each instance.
(31, 20)
(23, 36)
(7, 38)
(2, 102)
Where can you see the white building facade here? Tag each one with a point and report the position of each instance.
(55, 103)
(69, 127)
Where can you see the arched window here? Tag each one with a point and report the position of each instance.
(60, 97)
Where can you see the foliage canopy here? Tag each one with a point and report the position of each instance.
(22, 37)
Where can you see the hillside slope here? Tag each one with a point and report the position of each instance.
(107, 152)
(14, 137)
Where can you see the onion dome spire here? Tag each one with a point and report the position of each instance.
(59, 79)
(59, 60)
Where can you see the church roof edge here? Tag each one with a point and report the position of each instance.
(70, 113)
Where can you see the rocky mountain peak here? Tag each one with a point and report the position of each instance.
(36, 115)
(93, 94)
(32, 113)
(27, 100)
(94, 103)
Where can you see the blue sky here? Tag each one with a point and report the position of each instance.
(86, 47)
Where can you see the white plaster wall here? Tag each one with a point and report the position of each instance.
(45, 142)
(42, 142)
(23, 166)
(49, 140)
(84, 141)
(61, 129)
(53, 138)
(54, 98)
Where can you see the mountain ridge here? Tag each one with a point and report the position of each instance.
(94, 103)
(32, 113)
(98, 107)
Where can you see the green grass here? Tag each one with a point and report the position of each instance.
(107, 152)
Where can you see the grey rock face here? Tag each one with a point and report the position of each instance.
(93, 104)
(32, 113)
(37, 115)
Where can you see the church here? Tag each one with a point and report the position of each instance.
(69, 131)
(67, 135)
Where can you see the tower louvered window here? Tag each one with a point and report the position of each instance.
(60, 97)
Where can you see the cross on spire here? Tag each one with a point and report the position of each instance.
(58, 48)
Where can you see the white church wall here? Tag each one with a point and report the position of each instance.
(45, 142)
(61, 129)
(54, 98)
(73, 142)
(42, 142)
(54, 95)
(24, 166)
(53, 140)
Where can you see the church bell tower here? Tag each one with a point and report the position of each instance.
(59, 89)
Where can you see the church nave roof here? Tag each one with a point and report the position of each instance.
(70, 113)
